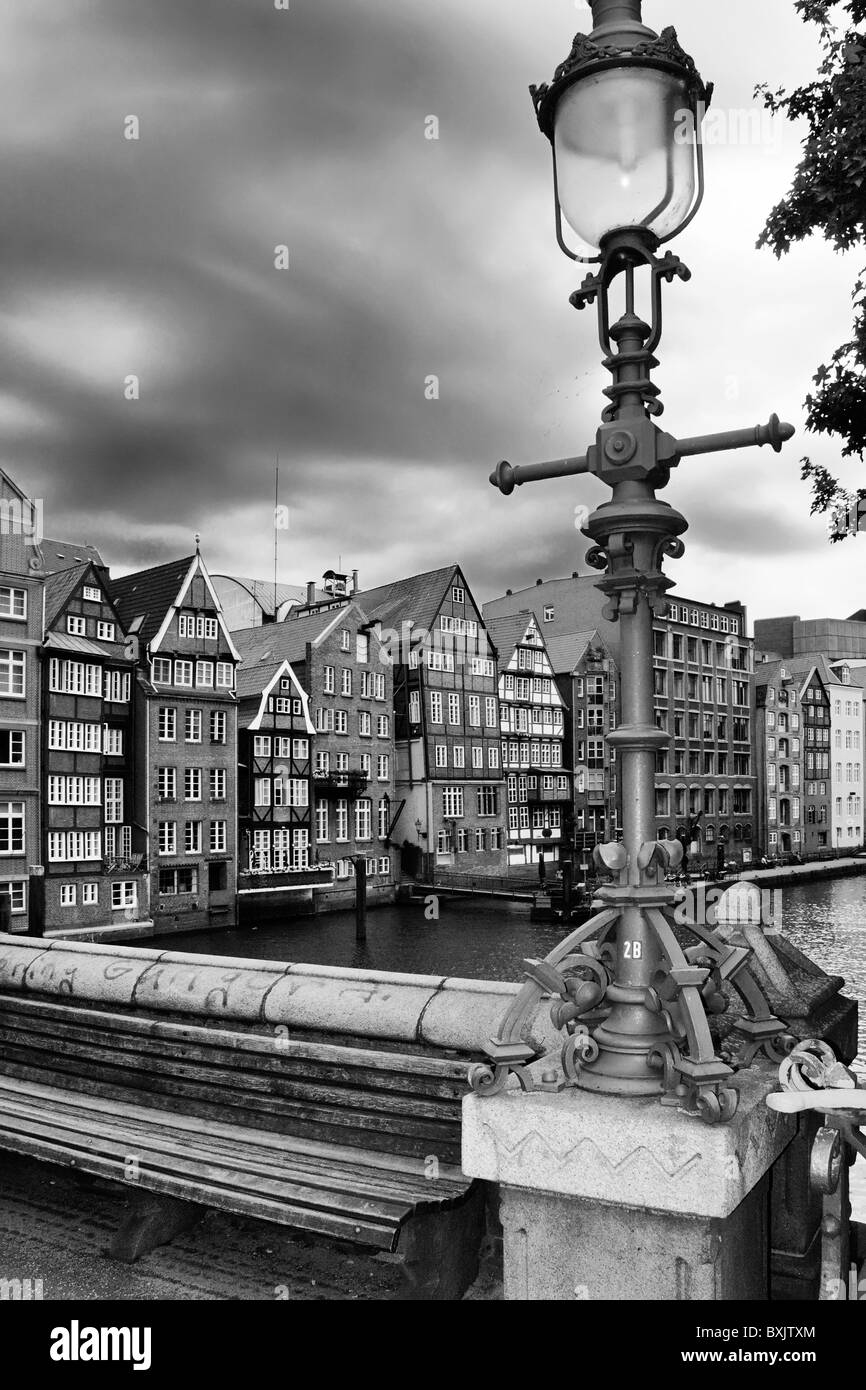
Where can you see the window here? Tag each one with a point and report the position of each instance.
(475, 711)
(116, 687)
(225, 675)
(73, 846)
(204, 673)
(75, 625)
(192, 726)
(12, 672)
(435, 707)
(345, 640)
(384, 816)
(454, 712)
(161, 671)
(383, 767)
(175, 882)
(322, 827)
(192, 837)
(167, 783)
(487, 799)
(93, 595)
(261, 746)
(477, 756)
(346, 681)
(183, 673)
(362, 648)
(262, 791)
(549, 613)
(167, 837)
(74, 791)
(363, 819)
(452, 801)
(67, 895)
(11, 827)
(490, 712)
(192, 784)
(218, 784)
(383, 726)
(114, 800)
(365, 723)
(13, 602)
(11, 748)
(105, 631)
(458, 594)
(218, 726)
(341, 814)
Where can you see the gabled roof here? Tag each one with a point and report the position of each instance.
(416, 599)
(767, 671)
(264, 680)
(63, 555)
(287, 641)
(567, 652)
(149, 594)
(59, 588)
(506, 632)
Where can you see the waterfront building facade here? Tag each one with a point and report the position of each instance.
(186, 740)
(532, 723)
(588, 680)
(21, 577)
(335, 655)
(703, 689)
(93, 851)
(447, 723)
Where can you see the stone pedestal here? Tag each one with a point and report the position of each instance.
(625, 1199)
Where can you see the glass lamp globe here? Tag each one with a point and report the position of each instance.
(624, 142)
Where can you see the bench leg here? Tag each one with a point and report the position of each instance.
(154, 1221)
(439, 1251)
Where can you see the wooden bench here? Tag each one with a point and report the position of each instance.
(345, 1135)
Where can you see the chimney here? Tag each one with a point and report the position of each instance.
(311, 591)
(355, 584)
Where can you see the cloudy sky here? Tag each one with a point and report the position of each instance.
(408, 257)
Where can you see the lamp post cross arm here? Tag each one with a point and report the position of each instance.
(614, 449)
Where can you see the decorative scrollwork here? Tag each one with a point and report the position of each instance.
(577, 1050)
(597, 558)
(486, 1080)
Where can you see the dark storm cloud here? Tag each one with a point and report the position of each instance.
(409, 258)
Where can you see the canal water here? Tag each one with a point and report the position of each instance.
(487, 940)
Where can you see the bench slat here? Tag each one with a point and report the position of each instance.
(242, 1080)
(142, 1139)
(378, 1234)
(397, 1135)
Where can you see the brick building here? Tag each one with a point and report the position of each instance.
(532, 723)
(26, 559)
(185, 741)
(447, 723)
(21, 577)
(275, 792)
(339, 664)
(588, 679)
(703, 688)
(93, 852)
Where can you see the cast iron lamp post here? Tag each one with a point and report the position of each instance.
(623, 117)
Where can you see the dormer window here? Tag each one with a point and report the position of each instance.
(845, 675)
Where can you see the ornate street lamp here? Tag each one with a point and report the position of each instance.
(633, 990)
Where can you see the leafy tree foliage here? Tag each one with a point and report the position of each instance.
(828, 195)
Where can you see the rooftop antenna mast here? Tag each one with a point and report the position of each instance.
(276, 526)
